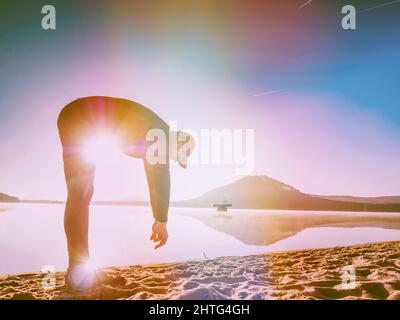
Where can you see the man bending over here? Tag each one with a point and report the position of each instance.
(130, 123)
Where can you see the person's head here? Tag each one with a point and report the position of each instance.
(182, 147)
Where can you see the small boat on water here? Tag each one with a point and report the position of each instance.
(222, 207)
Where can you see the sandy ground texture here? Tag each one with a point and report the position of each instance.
(303, 274)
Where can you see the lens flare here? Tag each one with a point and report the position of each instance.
(85, 275)
(101, 147)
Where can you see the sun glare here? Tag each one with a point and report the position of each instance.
(101, 147)
(85, 275)
(91, 265)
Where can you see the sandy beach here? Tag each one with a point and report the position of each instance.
(302, 274)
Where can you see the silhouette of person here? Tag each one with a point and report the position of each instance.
(130, 122)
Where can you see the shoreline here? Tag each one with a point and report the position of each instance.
(296, 274)
(176, 204)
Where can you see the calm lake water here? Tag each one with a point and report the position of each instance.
(32, 235)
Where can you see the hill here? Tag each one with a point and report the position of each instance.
(7, 198)
(262, 192)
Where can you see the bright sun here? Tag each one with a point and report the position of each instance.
(101, 147)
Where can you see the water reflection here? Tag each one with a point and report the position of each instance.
(268, 227)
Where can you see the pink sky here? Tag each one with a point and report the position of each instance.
(203, 72)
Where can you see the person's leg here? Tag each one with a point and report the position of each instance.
(79, 177)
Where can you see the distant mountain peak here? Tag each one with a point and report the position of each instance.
(263, 181)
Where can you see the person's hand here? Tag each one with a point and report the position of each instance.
(159, 233)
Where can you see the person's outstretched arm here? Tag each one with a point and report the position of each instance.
(158, 179)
